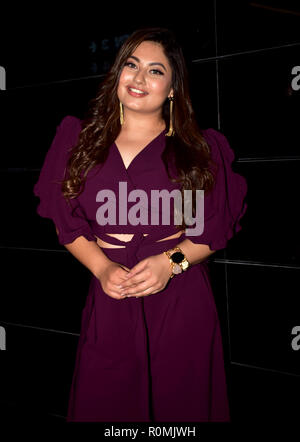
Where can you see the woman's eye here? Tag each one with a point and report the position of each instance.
(157, 72)
(130, 64)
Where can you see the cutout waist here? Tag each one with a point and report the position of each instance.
(125, 237)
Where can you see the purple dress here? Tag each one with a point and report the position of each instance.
(158, 357)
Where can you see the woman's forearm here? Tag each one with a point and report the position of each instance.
(89, 254)
(92, 257)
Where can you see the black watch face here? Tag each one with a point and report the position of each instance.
(177, 257)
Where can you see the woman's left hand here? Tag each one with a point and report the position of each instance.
(147, 277)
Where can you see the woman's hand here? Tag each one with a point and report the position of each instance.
(149, 276)
(111, 276)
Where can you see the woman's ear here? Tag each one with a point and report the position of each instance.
(171, 94)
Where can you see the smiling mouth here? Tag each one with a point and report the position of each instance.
(136, 92)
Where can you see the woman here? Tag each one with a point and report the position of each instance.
(150, 346)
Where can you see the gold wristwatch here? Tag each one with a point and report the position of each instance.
(178, 261)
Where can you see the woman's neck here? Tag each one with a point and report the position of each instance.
(143, 124)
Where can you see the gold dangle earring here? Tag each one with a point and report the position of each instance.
(171, 130)
(121, 114)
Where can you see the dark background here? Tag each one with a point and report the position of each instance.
(240, 56)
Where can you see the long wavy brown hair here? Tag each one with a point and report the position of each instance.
(187, 148)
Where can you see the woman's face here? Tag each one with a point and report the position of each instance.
(145, 81)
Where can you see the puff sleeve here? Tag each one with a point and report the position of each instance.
(70, 221)
(225, 205)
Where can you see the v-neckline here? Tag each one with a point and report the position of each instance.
(140, 152)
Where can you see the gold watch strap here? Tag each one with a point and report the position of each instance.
(184, 264)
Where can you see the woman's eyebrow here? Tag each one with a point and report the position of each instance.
(150, 64)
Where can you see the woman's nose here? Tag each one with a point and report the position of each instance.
(140, 77)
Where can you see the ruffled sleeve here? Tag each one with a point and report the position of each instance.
(70, 221)
(225, 205)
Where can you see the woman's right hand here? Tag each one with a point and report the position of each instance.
(111, 277)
